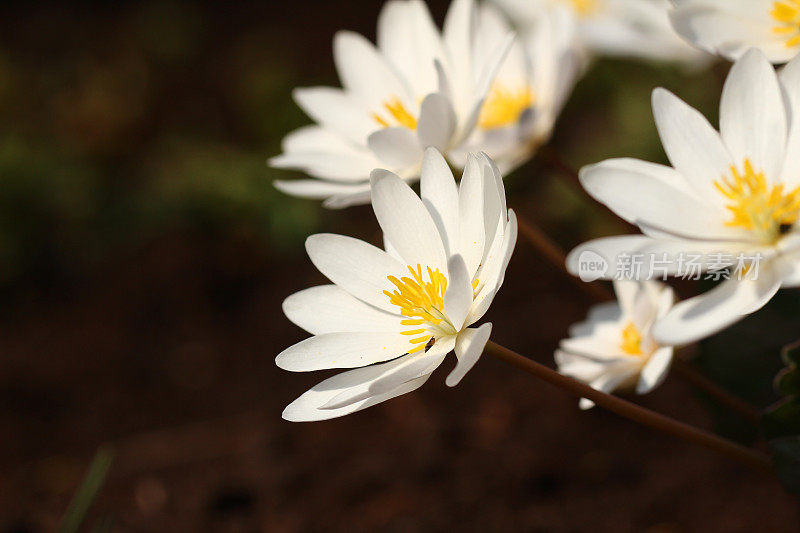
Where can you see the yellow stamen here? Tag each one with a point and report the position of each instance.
(787, 14)
(583, 7)
(504, 106)
(631, 340)
(421, 301)
(757, 206)
(398, 112)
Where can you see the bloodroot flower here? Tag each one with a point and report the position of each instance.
(394, 314)
(627, 28)
(529, 90)
(614, 348)
(417, 88)
(731, 197)
(731, 27)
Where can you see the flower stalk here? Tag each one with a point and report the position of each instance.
(555, 255)
(748, 456)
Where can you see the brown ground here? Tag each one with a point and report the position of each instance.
(169, 357)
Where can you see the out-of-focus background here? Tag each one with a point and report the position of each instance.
(144, 255)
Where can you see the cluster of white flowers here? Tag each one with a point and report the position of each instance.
(734, 192)
(482, 95)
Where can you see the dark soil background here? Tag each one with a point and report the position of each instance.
(145, 256)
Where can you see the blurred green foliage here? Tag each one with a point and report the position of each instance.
(144, 120)
(781, 422)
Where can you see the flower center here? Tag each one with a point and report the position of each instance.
(583, 7)
(504, 106)
(787, 14)
(395, 113)
(757, 206)
(421, 302)
(631, 340)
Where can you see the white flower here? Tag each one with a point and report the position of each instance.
(417, 88)
(398, 312)
(733, 195)
(632, 28)
(731, 27)
(614, 348)
(530, 89)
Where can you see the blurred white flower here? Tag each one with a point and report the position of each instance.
(629, 28)
(614, 348)
(731, 194)
(530, 89)
(417, 88)
(397, 313)
(731, 27)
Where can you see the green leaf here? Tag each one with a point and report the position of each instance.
(782, 420)
(88, 490)
(786, 458)
(787, 382)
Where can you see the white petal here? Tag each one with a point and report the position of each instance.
(345, 167)
(608, 383)
(494, 273)
(397, 147)
(626, 292)
(357, 267)
(469, 347)
(406, 223)
(315, 138)
(312, 148)
(578, 367)
(365, 73)
(694, 148)
(790, 80)
(788, 267)
(414, 366)
(598, 347)
(335, 109)
(730, 29)
(439, 193)
(342, 350)
(319, 189)
(458, 296)
(391, 250)
(599, 314)
(470, 204)
(331, 309)
(712, 311)
(655, 371)
(357, 196)
(306, 408)
(641, 198)
(428, 46)
(493, 27)
(485, 80)
(585, 403)
(437, 122)
(457, 34)
(495, 211)
(752, 115)
(360, 390)
(408, 37)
